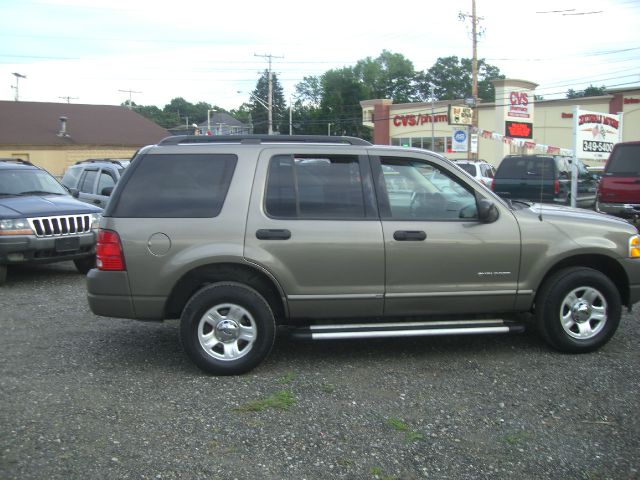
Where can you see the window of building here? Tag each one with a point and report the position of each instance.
(439, 144)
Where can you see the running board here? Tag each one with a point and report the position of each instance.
(405, 329)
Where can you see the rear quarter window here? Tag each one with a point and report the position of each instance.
(624, 161)
(176, 186)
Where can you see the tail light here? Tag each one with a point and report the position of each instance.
(109, 255)
(492, 184)
(556, 187)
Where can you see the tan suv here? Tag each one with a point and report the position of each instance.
(336, 238)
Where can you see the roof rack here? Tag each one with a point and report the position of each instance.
(107, 160)
(16, 160)
(258, 139)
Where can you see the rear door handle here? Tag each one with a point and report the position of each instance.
(273, 234)
(409, 235)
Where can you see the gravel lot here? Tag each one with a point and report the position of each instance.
(84, 397)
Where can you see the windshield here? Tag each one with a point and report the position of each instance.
(29, 182)
(624, 161)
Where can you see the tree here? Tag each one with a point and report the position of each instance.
(153, 113)
(391, 75)
(259, 110)
(590, 91)
(451, 78)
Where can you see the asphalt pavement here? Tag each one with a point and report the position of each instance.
(86, 397)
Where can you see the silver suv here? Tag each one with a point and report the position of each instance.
(335, 238)
(92, 180)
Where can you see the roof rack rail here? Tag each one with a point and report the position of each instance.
(258, 139)
(16, 160)
(107, 160)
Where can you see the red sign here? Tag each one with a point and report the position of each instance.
(518, 129)
(631, 100)
(415, 120)
(518, 104)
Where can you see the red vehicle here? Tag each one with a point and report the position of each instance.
(619, 188)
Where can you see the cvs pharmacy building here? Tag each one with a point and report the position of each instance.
(515, 123)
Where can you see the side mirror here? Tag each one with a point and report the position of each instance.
(106, 191)
(75, 193)
(487, 211)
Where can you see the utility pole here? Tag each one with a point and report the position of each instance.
(270, 97)
(474, 66)
(129, 92)
(16, 88)
(68, 99)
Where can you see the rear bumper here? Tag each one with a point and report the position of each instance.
(109, 295)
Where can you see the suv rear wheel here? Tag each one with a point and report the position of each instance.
(578, 310)
(227, 328)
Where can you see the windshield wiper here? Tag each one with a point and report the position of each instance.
(39, 192)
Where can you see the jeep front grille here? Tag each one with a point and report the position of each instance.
(61, 225)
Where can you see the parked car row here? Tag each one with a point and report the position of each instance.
(613, 188)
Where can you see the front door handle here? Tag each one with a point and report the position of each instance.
(409, 235)
(273, 234)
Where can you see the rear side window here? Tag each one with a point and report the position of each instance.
(315, 187)
(526, 167)
(624, 161)
(469, 168)
(176, 186)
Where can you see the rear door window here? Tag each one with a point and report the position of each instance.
(315, 187)
(176, 186)
(87, 181)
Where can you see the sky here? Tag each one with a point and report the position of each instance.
(105, 52)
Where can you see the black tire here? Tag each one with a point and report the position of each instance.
(578, 310)
(83, 265)
(227, 328)
(3, 274)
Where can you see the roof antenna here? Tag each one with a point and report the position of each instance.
(541, 188)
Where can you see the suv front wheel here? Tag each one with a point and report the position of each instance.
(578, 310)
(227, 328)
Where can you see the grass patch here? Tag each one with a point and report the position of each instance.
(281, 400)
(516, 438)
(328, 388)
(399, 426)
(286, 379)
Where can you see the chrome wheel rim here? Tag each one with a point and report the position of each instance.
(583, 313)
(227, 332)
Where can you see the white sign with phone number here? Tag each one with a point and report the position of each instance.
(595, 134)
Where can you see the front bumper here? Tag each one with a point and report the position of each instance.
(624, 210)
(15, 249)
(632, 268)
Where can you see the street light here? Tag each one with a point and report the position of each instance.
(18, 77)
(268, 107)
